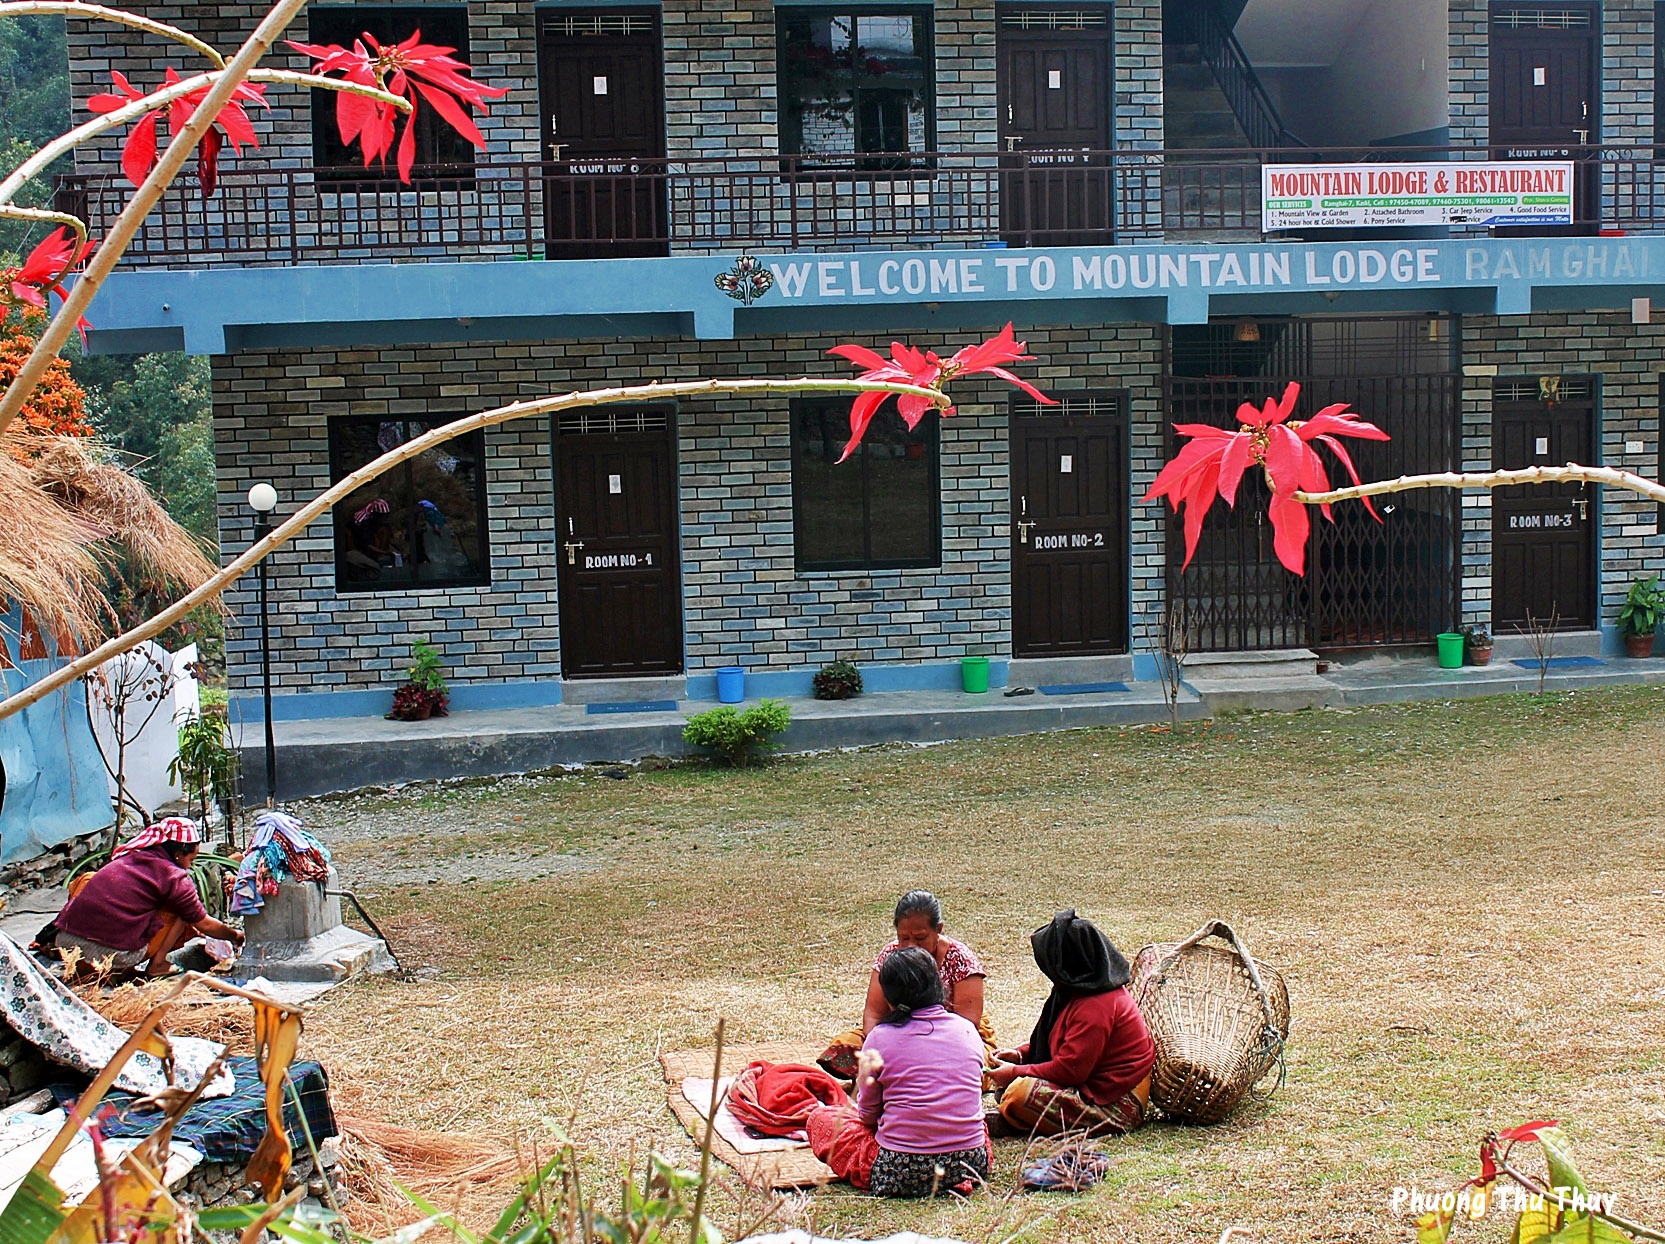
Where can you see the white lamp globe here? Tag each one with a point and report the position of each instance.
(263, 498)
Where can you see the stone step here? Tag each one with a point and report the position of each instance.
(622, 690)
(1066, 671)
(1511, 645)
(1242, 666)
(1286, 693)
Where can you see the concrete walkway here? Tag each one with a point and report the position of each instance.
(337, 754)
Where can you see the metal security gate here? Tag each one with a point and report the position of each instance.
(1367, 583)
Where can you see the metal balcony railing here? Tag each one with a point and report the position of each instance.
(604, 209)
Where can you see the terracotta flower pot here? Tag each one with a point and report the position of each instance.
(1478, 655)
(1639, 645)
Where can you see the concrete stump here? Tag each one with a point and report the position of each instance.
(298, 936)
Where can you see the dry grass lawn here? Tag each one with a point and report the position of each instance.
(1467, 900)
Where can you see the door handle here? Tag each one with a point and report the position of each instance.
(572, 547)
(1583, 137)
(555, 150)
(1583, 510)
(1012, 142)
(1023, 532)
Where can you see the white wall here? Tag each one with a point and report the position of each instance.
(149, 750)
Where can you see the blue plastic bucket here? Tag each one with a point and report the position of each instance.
(731, 684)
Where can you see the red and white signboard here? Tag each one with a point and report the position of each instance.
(1353, 196)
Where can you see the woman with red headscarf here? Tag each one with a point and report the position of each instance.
(141, 906)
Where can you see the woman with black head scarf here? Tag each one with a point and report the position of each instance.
(1086, 1066)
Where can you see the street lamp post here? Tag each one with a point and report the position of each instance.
(263, 500)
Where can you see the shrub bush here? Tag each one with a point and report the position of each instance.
(738, 736)
(837, 680)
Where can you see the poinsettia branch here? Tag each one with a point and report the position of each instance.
(105, 258)
(132, 111)
(1532, 1185)
(1571, 473)
(97, 12)
(345, 487)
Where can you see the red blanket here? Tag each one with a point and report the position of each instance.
(775, 1099)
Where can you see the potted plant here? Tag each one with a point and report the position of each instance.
(1639, 615)
(1478, 641)
(837, 680)
(424, 694)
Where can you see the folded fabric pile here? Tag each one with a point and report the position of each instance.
(775, 1099)
(279, 851)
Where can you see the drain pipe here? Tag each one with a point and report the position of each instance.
(352, 898)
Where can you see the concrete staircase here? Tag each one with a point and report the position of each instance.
(1196, 116)
(1285, 680)
(1068, 671)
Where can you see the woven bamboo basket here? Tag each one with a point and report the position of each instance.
(1219, 1021)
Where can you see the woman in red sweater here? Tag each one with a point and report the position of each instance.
(1086, 1067)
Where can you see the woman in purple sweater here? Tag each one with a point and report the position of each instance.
(918, 1128)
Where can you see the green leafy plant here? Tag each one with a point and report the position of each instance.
(206, 765)
(426, 671)
(659, 1205)
(738, 736)
(1643, 605)
(836, 680)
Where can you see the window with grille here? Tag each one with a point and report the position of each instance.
(878, 510)
(440, 150)
(420, 525)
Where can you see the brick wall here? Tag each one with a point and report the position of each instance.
(1470, 72)
(1628, 360)
(1627, 30)
(744, 599)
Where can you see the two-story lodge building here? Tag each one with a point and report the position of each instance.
(1095, 172)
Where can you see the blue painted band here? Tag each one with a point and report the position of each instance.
(778, 684)
(1174, 283)
(375, 701)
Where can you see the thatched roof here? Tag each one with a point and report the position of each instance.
(69, 512)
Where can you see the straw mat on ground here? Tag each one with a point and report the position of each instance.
(791, 1168)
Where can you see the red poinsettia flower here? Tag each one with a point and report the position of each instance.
(1527, 1131)
(926, 369)
(1213, 463)
(406, 69)
(44, 272)
(138, 154)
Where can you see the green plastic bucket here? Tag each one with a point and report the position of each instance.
(974, 675)
(1451, 650)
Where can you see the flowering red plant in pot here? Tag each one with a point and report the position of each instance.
(424, 694)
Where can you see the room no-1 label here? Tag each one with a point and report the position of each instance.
(1074, 540)
(616, 561)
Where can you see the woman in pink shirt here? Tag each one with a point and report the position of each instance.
(918, 1128)
(918, 923)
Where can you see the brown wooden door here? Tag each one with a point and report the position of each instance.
(1069, 526)
(618, 570)
(1054, 96)
(1543, 545)
(1544, 87)
(602, 85)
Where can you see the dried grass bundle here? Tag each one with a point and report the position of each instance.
(48, 562)
(89, 483)
(198, 1013)
(432, 1160)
